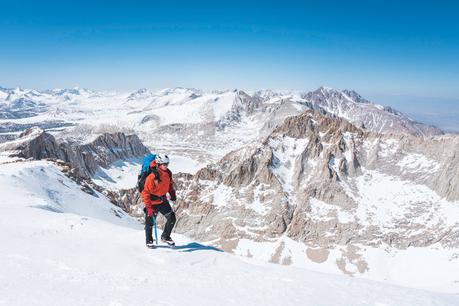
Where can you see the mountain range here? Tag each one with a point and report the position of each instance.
(325, 180)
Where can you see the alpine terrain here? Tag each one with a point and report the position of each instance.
(323, 196)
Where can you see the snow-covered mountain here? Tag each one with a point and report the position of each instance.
(324, 180)
(65, 246)
(349, 105)
(203, 126)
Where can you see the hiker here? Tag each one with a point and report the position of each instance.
(155, 188)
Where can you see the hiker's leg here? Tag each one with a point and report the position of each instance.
(169, 224)
(166, 210)
(148, 227)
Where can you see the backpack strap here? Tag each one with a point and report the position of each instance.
(155, 172)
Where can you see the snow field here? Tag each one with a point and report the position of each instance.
(61, 246)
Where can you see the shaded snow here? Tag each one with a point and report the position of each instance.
(286, 151)
(119, 175)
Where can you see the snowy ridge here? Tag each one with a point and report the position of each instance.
(349, 105)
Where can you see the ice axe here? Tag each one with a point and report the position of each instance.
(154, 225)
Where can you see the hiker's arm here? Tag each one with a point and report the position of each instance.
(146, 198)
(148, 189)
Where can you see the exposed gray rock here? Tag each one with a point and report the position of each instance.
(101, 152)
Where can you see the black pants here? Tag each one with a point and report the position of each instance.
(166, 210)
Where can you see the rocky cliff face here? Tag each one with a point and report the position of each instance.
(86, 158)
(321, 180)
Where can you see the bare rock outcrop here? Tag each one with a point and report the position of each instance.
(86, 158)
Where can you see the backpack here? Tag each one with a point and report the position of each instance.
(146, 170)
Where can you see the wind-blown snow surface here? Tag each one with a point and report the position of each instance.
(62, 246)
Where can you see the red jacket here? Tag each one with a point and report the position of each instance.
(158, 188)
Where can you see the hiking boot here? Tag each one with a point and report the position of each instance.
(150, 244)
(169, 241)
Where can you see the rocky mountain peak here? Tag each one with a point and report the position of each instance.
(105, 149)
(75, 91)
(32, 133)
(355, 96)
(352, 107)
(314, 121)
(141, 93)
(325, 94)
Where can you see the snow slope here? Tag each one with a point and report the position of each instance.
(62, 246)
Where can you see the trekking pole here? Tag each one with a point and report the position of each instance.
(156, 233)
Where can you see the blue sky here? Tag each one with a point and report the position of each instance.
(400, 54)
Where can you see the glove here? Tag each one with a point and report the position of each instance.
(150, 211)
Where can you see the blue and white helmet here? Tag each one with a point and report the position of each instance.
(162, 159)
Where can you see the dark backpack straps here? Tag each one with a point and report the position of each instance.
(155, 172)
(141, 180)
(143, 177)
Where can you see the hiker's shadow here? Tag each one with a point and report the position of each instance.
(191, 247)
